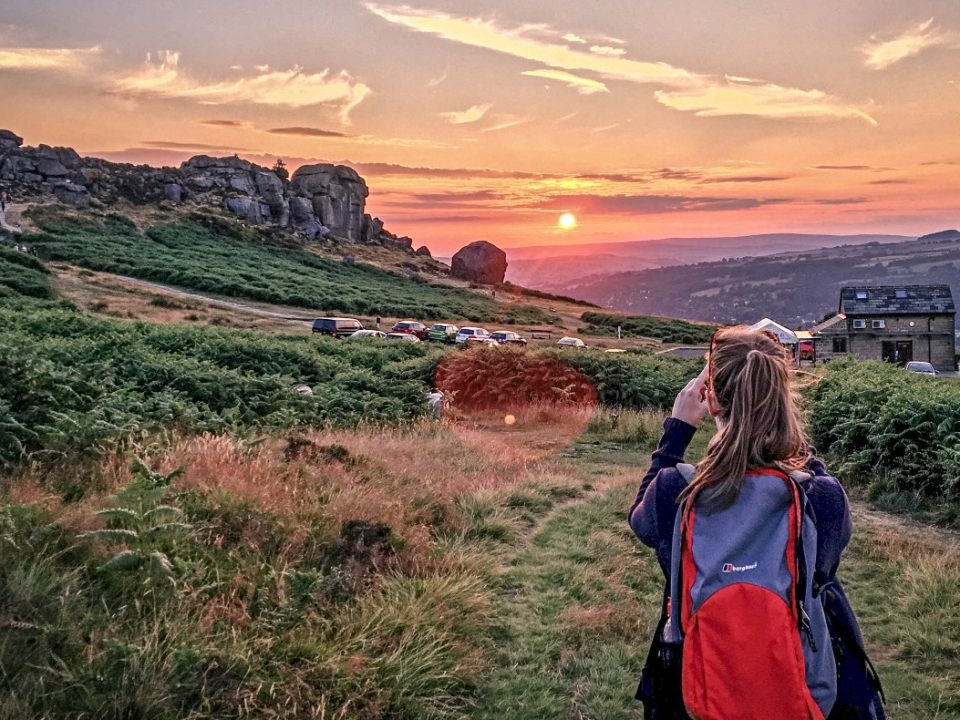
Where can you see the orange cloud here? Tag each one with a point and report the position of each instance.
(294, 88)
(881, 54)
(743, 96)
(702, 94)
(463, 117)
(584, 86)
(63, 59)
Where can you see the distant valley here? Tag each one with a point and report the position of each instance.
(556, 268)
(795, 288)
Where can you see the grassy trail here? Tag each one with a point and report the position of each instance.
(578, 598)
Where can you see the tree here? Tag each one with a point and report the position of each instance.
(280, 169)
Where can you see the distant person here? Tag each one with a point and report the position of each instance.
(754, 622)
(378, 322)
(435, 402)
(4, 199)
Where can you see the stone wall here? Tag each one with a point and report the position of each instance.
(319, 202)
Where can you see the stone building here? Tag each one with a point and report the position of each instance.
(892, 323)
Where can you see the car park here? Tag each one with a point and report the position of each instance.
(410, 327)
(507, 337)
(443, 332)
(367, 335)
(921, 368)
(571, 342)
(336, 327)
(403, 337)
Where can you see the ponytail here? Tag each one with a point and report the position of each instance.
(760, 424)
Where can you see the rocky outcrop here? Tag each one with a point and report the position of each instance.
(480, 262)
(423, 251)
(319, 202)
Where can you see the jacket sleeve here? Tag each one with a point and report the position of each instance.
(834, 525)
(643, 515)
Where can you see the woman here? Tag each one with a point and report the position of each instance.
(746, 387)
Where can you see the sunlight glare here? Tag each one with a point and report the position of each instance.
(567, 221)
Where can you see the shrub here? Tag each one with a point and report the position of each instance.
(648, 326)
(889, 428)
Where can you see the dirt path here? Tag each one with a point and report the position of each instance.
(577, 597)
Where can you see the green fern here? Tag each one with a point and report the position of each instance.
(139, 522)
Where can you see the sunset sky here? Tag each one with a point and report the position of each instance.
(471, 120)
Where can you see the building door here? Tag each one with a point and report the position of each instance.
(888, 351)
(904, 351)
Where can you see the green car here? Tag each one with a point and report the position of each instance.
(442, 332)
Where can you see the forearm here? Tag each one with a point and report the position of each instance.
(669, 453)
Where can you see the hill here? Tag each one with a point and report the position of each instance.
(793, 288)
(556, 268)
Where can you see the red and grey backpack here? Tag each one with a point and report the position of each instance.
(755, 641)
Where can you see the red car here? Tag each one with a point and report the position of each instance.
(410, 327)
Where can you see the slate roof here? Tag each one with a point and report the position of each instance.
(884, 300)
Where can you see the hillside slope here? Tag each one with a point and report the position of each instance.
(556, 268)
(794, 288)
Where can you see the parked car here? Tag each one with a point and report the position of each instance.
(472, 334)
(411, 327)
(571, 342)
(506, 337)
(368, 335)
(442, 332)
(336, 327)
(404, 336)
(923, 368)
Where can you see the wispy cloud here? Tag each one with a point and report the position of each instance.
(471, 115)
(604, 128)
(653, 204)
(882, 53)
(743, 96)
(433, 82)
(163, 77)
(607, 50)
(571, 37)
(177, 145)
(528, 42)
(506, 122)
(702, 94)
(62, 59)
(307, 132)
(226, 123)
(584, 86)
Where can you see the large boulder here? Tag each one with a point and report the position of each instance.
(480, 262)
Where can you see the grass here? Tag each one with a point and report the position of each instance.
(212, 254)
(462, 570)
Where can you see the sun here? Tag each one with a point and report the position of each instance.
(567, 221)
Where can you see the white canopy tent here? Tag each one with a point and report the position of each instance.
(785, 335)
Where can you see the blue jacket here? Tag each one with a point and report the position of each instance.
(652, 517)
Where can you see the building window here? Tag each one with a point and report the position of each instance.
(859, 324)
(861, 294)
(879, 324)
(839, 345)
(901, 294)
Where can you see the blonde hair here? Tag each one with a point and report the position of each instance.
(760, 421)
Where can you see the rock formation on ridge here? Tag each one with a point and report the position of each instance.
(319, 201)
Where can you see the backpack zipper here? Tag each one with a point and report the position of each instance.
(806, 627)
